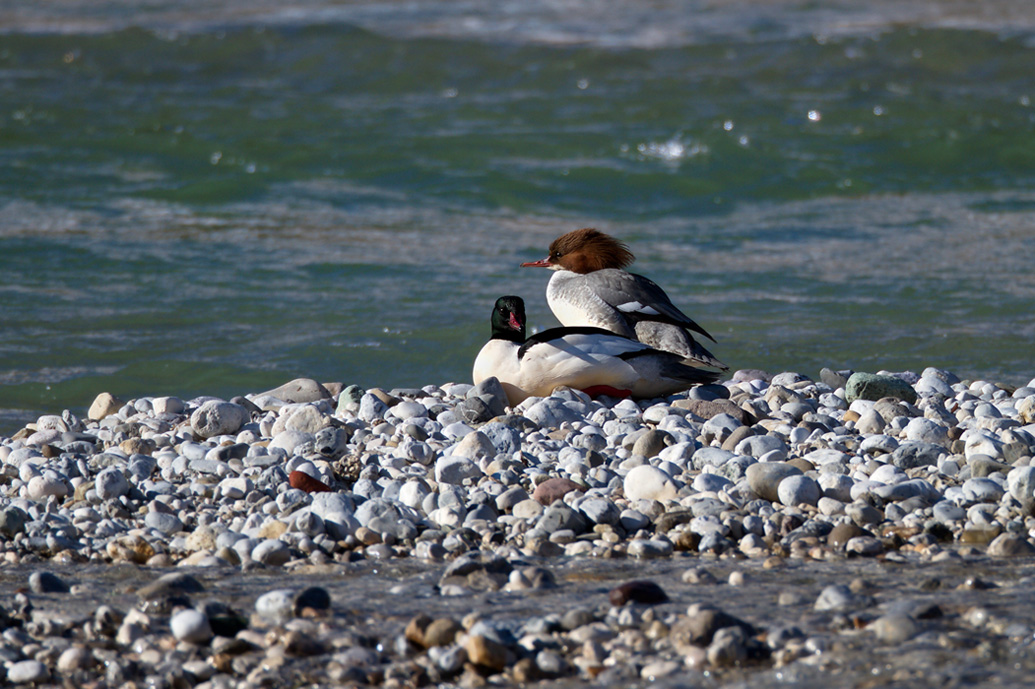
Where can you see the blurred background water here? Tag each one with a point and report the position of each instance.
(214, 198)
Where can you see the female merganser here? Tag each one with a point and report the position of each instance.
(590, 287)
(593, 360)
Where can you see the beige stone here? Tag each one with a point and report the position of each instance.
(105, 404)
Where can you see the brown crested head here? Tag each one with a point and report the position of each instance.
(586, 250)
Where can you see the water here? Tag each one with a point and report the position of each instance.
(199, 200)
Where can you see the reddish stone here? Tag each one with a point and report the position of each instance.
(553, 489)
(639, 591)
(303, 481)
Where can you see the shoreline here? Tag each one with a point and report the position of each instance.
(851, 513)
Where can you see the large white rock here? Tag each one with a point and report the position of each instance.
(649, 483)
(111, 483)
(216, 417)
(474, 446)
(190, 626)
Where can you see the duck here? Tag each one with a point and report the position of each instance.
(590, 287)
(586, 358)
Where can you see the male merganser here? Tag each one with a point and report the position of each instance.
(593, 360)
(590, 287)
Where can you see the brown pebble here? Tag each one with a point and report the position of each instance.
(525, 670)
(441, 632)
(300, 644)
(700, 625)
(486, 652)
(844, 532)
(638, 591)
(416, 628)
(303, 481)
(803, 464)
(553, 489)
(1011, 545)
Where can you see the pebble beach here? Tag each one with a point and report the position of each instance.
(767, 529)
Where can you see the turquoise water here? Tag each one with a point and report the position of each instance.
(205, 201)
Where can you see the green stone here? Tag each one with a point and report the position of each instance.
(869, 386)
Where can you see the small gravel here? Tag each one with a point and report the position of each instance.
(631, 517)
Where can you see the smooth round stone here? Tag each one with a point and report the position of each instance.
(551, 412)
(864, 545)
(863, 514)
(914, 454)
(710, 483)
(216, 417)
(888, 473)
(508, 499)
(649, 483)
(633, 520)
(948, 513)
(168, 405)
(12, 521)
(870, 423)
(711, 456)
(795, 490)
(406, 410)
(836, 486)
(289, 439)
(553, 489)
(869, 386)
(641, 591)
(299, 390)
(600, 510)
(314, 597)
(649, 549)
(651, 443)
(721, 426)
(27, 672)
(235, 487)
(276, 605)
(74, 658)
(271, 552)
(983, 444)
(1011, 545)
(982, 490)
(474, 446)
(371, 408)
(764, 478)
(111, 484)
(559, 517)
(45, 486)
(927, 431)
(878, 444)
(1020, 481)
(894, 628)
(913, 488)
(104, 405)
(46, 582)
(930, 385)
(168, 524)
(758, 445)
(840, 598)
(527, 509)
(453, 469)
(191, 626)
